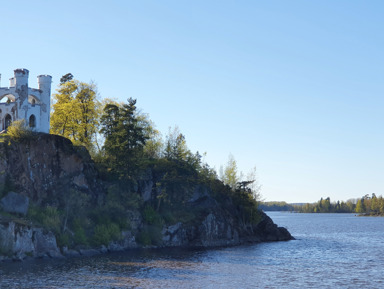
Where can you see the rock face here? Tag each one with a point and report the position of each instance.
(219, 228)
(43, 169)
(15, 203)
(19, 240)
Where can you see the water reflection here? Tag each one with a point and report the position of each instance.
(332, 253)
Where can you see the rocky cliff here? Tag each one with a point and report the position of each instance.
(42, 171)
(45, 167)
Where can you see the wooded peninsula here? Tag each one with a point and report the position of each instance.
(104, 179)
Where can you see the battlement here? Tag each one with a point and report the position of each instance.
(23, 102)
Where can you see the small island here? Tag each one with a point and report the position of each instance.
(104, 180)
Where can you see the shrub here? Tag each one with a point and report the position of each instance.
(79, 237)
(18, 131)
(63, 240)
(149, 235)
(48, 217)
(105, 234)
(150, 216)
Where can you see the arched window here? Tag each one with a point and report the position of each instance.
(8, 121)
(33, 102)
(32, 121)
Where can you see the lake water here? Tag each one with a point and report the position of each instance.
(331, 251)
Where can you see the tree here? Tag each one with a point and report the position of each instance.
(375, 204)
(154, 144)
(176, 146)
(229, 175)
(254, 186)
(360, 208)
(125, 137)
(66, 77)
(75, 112)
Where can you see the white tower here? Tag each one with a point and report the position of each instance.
(44, 82)
(21, 85)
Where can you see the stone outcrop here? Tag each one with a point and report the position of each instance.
(15, 203)
(18, 241)
(44, 169)
(219, 228)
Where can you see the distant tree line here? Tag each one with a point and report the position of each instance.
(326, 206)
(370, 205)
(367, 205)
(276, 206)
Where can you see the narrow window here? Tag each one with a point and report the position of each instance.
(8, 121)
(32, 121)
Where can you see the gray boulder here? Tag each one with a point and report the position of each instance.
(15, 203)
(45, 244)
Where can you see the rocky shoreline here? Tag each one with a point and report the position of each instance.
(45, 170)
(25, 242)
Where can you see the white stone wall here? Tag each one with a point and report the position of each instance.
(25, 102)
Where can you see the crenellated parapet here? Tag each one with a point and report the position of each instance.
(19, 101)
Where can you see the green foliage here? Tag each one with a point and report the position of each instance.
(154, 145)
(247, 207)
(366, 205)
(229, 175)
(150, 216)
(144, 237)
(79, 236)
(276, 206)
(360, 207)
(326, 206)
(149, 235)
(63, 239)
(48, 217)
(66, 77)
(373, 205)
(104, 234)
(131, 146)
(176, 184)
(125, 136)
(74, 204)
(118, 201)
(18, 131)
(75, 112)
(176, 146)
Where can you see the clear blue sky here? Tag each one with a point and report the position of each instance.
(294, 88)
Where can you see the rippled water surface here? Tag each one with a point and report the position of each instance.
(331, 251)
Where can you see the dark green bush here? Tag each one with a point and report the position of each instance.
(150, 235)
(150, 216)
(104, 234)
(48, 217)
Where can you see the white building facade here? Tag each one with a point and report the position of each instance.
(18, 101)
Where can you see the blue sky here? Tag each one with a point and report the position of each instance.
(294, 88)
